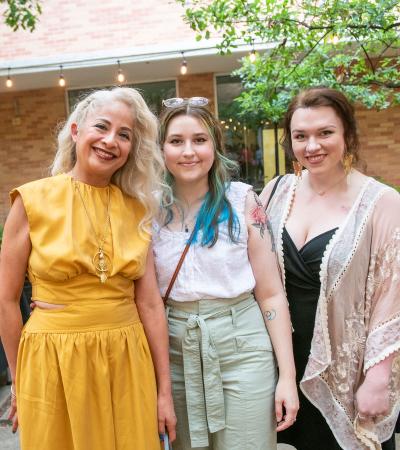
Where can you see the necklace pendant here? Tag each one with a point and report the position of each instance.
(101, 263)
(186, 228)
(103, 278)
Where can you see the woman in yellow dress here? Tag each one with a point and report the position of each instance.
(82, 367)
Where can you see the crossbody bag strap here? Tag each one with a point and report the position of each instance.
(178, 266)
(273, 190)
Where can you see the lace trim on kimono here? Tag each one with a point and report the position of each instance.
(284, 218)
(325, 292)
(383, 340)
(382, 343)
(320, 395)
(347, 431)
(359, 203)
(366, 436)
(286, 187)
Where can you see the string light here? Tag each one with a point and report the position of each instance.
(9, 81)
(253, 56)
(120, 76)
(183, 65)
(61, 79)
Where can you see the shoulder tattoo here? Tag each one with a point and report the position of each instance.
(261, 221)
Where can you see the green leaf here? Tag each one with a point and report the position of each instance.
(351, 45)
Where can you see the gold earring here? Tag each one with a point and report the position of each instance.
(297, 168)
(347, 162)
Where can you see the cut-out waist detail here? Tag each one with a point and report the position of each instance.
(46, 305)
(84, 315)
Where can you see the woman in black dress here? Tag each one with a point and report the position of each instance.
(337, 236)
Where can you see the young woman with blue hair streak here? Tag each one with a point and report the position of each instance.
(228, 317)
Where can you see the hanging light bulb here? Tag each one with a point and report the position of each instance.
(120, 76)
(253, 56)
(61, 79)
(183, 65)
(9, 81)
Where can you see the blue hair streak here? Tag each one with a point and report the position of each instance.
(211, 215)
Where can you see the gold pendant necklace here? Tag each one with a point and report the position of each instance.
(101, 261)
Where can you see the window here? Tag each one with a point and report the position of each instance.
(153, 93)
(252, 146)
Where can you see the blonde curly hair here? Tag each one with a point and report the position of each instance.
(141, 176)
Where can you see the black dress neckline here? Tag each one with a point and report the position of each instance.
(319, 236)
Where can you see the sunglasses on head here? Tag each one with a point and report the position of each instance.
(192, 101)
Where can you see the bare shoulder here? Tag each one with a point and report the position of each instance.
(16, 244)
(17, 220)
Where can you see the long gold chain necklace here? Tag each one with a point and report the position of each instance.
(101, 260)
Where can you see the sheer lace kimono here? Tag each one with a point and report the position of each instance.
(357, 322)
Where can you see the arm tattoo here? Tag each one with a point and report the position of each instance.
(270, 315)
(261, 221)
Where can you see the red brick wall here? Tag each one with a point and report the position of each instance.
(78, 26)
(27, 137)
(200, 85)
(27, 149)
(380, 142)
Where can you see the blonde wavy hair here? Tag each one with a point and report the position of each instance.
(141, 176)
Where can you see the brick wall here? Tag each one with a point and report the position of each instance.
(78, 26)
(27, 137)
(380, 142)
(28, 120)
(199, 85)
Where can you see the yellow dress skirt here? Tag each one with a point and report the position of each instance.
(85, 379)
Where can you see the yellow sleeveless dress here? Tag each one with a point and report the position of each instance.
(85, 378)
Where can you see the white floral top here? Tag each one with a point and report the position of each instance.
(221, 271)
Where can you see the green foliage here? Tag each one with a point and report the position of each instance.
(351, 45)
(1, 234)
(22, 13)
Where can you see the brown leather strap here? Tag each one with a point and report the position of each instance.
(178, 267)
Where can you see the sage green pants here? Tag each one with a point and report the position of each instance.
(223, 375)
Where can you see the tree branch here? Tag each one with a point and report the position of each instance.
(387, 46)
(308, 53)
(372, 65)
(309, 27)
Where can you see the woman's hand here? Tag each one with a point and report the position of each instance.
(166, 416)
(286, 397)
(372, 398)
(13, 416)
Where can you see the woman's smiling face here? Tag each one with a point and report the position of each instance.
(103, 142)
(317, 136)
(188, 150)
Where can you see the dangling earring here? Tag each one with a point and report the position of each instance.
(297, 168)
(347, 162)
